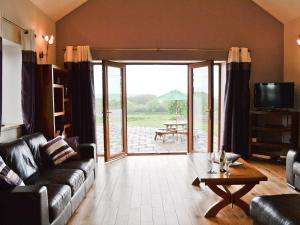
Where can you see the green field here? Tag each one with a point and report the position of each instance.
(157, 120)
(150, 111)
(146, 119)
(149, 120)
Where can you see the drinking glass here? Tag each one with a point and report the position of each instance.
(210, 162)
(227, 166)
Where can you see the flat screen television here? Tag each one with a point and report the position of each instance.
(274, 95)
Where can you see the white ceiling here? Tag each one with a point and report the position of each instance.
(283, 10)
(56, 9)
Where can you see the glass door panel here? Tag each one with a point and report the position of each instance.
(200, 109)
(201, 104)
(217, 106)
(99, 107)
(114, 110)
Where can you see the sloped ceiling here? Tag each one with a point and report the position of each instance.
(283, 10)
(56, 9)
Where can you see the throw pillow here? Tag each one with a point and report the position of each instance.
(73, 142)
(58, 150)
(8, 178)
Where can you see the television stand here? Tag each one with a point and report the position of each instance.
(273, 133)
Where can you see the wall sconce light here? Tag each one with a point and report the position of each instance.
(50, 41)
(298, 40)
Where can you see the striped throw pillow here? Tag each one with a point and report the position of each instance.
(8, 178)
(58, 150)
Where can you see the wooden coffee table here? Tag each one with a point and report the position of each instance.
(245, 175)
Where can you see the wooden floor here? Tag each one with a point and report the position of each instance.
(157, 190)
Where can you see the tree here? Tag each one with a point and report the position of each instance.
(141, 99)
(155, 106)
(177, 106)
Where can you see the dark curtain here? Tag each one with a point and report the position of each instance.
(83, 100)
(28, 90)
(236, 108)
(0, 82)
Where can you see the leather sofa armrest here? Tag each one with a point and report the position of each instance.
(88, 151)
(290, 159)
(24, 205)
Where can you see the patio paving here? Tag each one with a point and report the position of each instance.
(141, 140)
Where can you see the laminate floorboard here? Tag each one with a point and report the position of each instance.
(157, 190)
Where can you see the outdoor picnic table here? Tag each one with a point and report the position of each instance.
(175, 124)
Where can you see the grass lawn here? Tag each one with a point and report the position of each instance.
(149, 120)
(155, 120)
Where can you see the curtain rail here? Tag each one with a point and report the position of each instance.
(155, 49)
(16, 25)
(158, 49)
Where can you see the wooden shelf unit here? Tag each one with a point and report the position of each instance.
(273, 133)
(54, 104)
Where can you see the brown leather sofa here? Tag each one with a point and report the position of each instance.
(51, 195)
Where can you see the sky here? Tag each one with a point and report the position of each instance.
(150, 79)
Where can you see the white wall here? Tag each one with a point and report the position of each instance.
(11, 78)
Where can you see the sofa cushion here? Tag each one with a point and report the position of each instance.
(58, 150)
(296, 168)
(58, 198)
(276, 209)
(87, 166)
(73, 142)
(8, 178)
(34, 141)
(72, 177)
(18, 157)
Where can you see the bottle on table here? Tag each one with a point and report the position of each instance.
(222, 160)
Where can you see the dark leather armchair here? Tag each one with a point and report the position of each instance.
(29, 203)
(276, 210)
(280, 209)
(293, 169)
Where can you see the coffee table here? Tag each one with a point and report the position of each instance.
(245, 175)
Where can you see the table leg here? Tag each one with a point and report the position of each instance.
(196, 182)
(236, 198)
(229, 198)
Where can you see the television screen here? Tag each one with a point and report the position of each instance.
(274, 95)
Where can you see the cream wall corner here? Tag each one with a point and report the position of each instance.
(292, 56)
(27, 15)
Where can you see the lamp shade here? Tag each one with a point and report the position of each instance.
(46, 37)
(298, 40)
